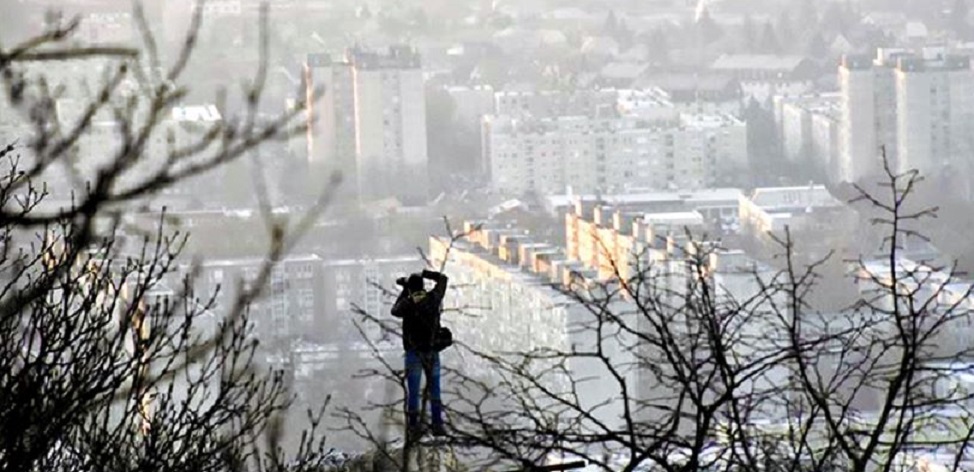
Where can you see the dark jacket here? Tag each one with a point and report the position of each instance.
(420, 313)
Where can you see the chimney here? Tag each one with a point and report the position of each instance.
(508, 248)
(579, 205)
(621, 221)
(600, 215)
(676, 246)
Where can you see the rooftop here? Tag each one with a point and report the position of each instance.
(196, 113)
(786, 198)
(770, 62)
(514, 272)
(249, 261)
(679, 218)
(405, 259)
(676, 83)
(699, 121)
(699, 196)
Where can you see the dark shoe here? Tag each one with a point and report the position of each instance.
(414, 433)
(438, 430)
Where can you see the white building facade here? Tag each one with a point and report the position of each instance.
(914, 105)
(607, 155)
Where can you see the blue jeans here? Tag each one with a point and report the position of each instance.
(416, 364)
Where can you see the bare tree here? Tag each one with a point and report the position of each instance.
(694, 357)
(110, 361)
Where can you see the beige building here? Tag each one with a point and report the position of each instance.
(511, 294)
(650, 253)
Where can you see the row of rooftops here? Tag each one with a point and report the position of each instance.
(541, 263)
(648, 216)
(513, 247)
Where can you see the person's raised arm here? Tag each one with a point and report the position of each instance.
(399, 308)
(441, 281)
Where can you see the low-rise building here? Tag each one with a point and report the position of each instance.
(771, 209)
(706, 93)
(763, 76)
(816, 221)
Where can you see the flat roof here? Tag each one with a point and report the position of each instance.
(704, 195)
(757, 62)
(671, 216)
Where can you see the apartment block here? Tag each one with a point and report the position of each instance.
(796, 118)
(621, 242)
(331, 120)
(360, 284)
(555, 103)
(291, 304)
(371, 123)
(825, 142)
(510, 294)
(649, 253)
(546, 156)
(916, 105)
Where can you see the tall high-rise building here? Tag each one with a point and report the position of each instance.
(331, 120)
(916, 106)
(858, 126)
(371, 123)
(934, 113)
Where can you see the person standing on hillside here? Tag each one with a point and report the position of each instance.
(422, 339)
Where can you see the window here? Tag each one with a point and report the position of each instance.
(306, 298)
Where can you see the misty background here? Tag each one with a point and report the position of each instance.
(541, 129)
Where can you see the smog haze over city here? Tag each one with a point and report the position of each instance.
(472, 235)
